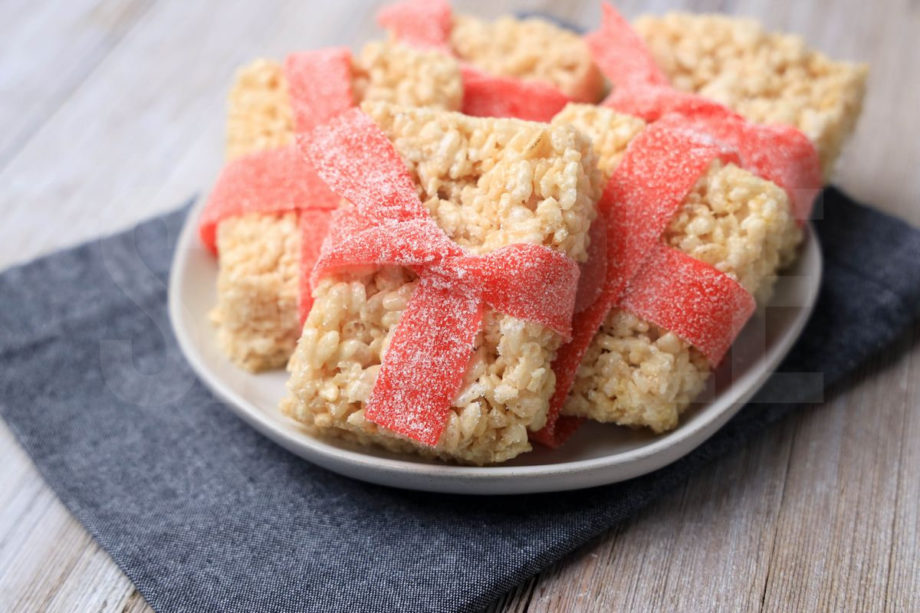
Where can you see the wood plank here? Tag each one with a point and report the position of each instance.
(95, 583)
(697, 548)
(903, 589)
(115, 144)
(836, 523)
(46, 51)
(42, 544)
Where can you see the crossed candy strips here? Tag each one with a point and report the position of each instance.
(279, 180)
(388, 225)
(696, 302)
(428, 24)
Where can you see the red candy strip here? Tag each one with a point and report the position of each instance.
(280, 180)
(616, 48)
(320, 85)
(525, 281)
(698, 303)
(425, 362)
(529, 282)
(660, 167)
(485, 95)
(568, 358)
(695, 301)
(314, 224)
(427, 23)
(430, 348)
(373, 161)
(274, 181)
(594, 269)
(781, 154)
(650, 102)
(412, 244)
(421, 23)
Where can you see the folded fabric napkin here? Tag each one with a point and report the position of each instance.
(204, 514)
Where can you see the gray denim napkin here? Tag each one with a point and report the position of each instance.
(204, 514)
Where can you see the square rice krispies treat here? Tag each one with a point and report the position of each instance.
(487, 183)
(767, 77)
(256, 315)
(530, 49)
(634, 372)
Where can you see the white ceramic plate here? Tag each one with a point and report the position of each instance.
(597, 454)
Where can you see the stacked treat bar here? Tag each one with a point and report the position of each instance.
(260, 255)
(473, 235)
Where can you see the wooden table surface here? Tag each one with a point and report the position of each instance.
(111, 111)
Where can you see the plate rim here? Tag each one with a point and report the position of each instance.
(478, 480)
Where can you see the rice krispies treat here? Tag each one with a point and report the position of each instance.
(487, 183)
(767, 77)
(257, 311)
(531, 49)
(634, 372)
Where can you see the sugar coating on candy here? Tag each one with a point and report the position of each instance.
(767, 77)
(634, 372)
(320, 85)
(431, 345)
(422, 23)
(528, 282)
(615, 47)
(646, 190)
(435, 335)
(350, 153)
(269, 182)
(782, 155)
(412, 243)
(259, 281)
(699, 304)
(523, 57)
(471, 174)
(486, 95)
(426, 357)
(642, 195)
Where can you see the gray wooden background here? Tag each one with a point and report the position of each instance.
(111, 111)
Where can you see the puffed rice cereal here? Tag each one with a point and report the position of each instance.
(634, 372)
(531, 48)
(767, 77)
(257, 314)
(487, 183)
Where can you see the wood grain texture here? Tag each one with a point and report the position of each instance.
(107, 110)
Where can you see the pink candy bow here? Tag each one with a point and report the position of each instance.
(388, 225)
(698, 303)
